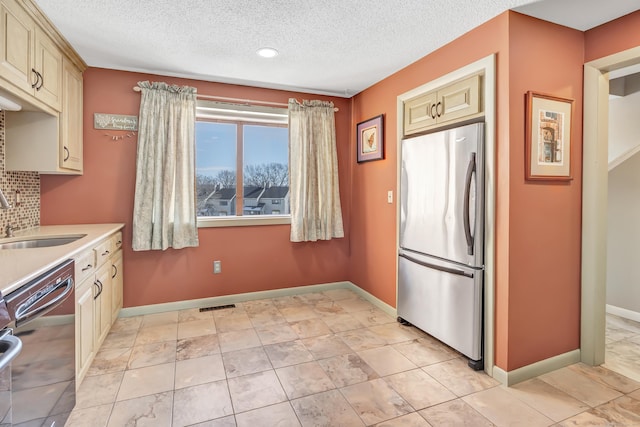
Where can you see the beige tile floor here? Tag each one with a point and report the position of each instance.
(622, 353)
(324, 359)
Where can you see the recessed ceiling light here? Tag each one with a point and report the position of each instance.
(267, 52)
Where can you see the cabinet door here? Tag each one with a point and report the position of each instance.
(420, 113)
(460, 100)
(116, 285)
(48, 63)
(102, 304)
(70, 144)
(17, 30)
(84, 328)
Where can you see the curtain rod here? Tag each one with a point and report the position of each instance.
(243, 101)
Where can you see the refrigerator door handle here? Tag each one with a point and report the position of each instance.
(437, 267)
(471, 169)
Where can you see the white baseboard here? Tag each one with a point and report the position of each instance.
(236, 298)
(623, 312)
(535, 369)
(391, 311)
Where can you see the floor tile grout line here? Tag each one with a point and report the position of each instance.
(315, 359)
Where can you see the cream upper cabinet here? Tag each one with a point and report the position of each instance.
(48, 143)
(458, 101)
(48, 69)
(40, 71)
(17, 50)
(30, 59)
(70, 144)
(420, 112)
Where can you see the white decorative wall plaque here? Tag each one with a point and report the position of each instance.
(115, 122)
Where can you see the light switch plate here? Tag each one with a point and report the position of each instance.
(217, 267)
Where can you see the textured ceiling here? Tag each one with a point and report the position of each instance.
(333, 47)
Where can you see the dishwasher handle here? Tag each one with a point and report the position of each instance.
(10, 347)
(25, 312)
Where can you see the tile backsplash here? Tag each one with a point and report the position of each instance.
(26, 214)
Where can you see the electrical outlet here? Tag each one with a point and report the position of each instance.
(217, 267)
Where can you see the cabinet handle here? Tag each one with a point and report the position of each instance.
(41, 81)
(105, 253)
(66, 154)
(439, 109)
(89, 266)
(33, 85)
(115, 271)
(98, 283)
(434, 113)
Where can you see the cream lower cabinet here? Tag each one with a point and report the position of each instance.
(98, 298)
(84, 329)
(102, 304)
(117, 283)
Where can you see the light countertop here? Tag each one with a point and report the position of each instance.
(18, 266)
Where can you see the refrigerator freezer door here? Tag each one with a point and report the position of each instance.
(442, 299)
(442, 201)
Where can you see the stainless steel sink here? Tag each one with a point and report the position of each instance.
(41, 242)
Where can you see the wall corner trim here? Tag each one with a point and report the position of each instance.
(535, 369)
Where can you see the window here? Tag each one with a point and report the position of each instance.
(242, 162)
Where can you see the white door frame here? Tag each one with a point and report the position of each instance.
(594, 201)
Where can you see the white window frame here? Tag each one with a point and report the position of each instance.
(251, 114)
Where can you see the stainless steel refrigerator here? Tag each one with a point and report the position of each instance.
(441, 257)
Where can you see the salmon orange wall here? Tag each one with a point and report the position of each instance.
(544, 218)
(613, 37)
(253, 258)
(525, 294)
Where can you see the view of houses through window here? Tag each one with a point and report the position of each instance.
(241, 165)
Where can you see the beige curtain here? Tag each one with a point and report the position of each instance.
(313, 166)
(164, 212)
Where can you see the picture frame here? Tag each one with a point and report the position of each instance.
(370, 144)
(548, 137)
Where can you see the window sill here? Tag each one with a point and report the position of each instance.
(243, 221)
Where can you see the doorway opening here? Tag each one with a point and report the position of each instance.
(594, 201)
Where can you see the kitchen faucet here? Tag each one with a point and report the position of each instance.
(4, 203)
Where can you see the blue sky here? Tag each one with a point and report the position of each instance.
(215, 146)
